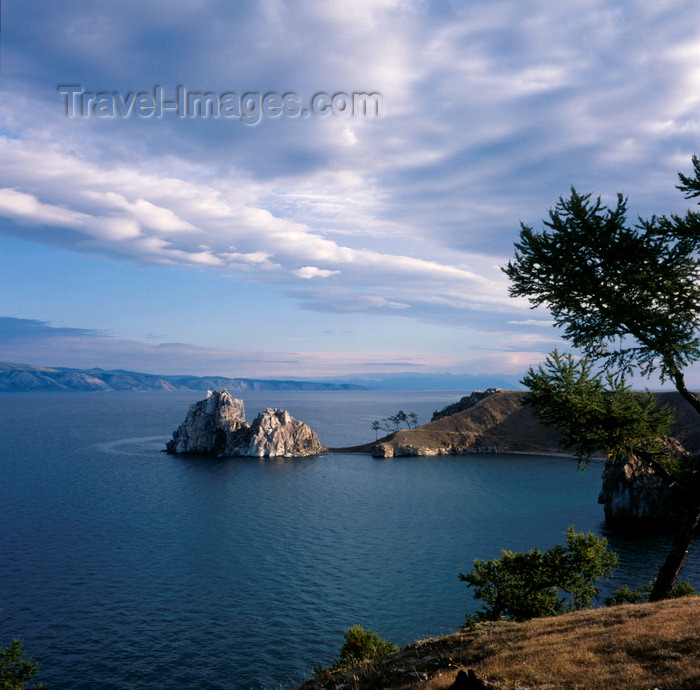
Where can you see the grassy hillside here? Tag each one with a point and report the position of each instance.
(501, 421)
(627, 647)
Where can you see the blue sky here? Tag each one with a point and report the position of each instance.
(305, 247)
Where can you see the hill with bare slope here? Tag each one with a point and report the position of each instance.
(627, 647)
(502, 423)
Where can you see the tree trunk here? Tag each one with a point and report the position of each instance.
(679, 381)
(663, 587)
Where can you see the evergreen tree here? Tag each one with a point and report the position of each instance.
(16, 671)
(628, 297)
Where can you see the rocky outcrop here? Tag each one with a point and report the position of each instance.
(276, 433)
(217, 426)
(211, 426)
(632, 492)
(391, 450)
(464, 403)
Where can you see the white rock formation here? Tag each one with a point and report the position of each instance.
(276, 433)
(217, 426)
(209, 424)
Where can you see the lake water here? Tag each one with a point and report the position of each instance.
(124, 567)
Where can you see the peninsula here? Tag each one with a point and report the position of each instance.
(498, 421)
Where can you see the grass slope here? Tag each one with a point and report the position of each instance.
(502, 420)
(626, 647)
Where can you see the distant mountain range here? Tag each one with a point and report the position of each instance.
(26, 377)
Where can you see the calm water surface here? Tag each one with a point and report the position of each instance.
(124, 567)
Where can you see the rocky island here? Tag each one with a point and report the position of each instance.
(217, 426)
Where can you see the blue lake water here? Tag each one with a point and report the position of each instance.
(124, 567)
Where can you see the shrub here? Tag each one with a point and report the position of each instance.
(520, 586)
(627, 595)
(16, 671)
(363, 645)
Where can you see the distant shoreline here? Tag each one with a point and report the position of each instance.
(27, 378)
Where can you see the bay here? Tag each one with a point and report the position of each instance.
(124, 567)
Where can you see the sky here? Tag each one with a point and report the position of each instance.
(301, 237)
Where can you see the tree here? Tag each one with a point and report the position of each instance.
(598, 411)
(376, 426)
(629, 299)
(15, 671)
(520, 586)
(395, 421)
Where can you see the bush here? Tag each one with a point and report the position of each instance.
(627, 595)
(363, 645)
(520, 586)
(15, 670)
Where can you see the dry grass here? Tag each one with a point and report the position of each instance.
(622, 647)
(627, 647)
(502, 420)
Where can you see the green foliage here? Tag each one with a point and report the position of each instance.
(520, 586)
(682, 588)
(627, 595)
(363, 645)
(628, 296)
(15, 671)
(594, 411)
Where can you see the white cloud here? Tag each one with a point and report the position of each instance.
(154, 218)
(491, 110)
(314, 272)
(545, 323)
(27, 208)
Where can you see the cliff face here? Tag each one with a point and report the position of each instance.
(275, 432)
(632, 492)
(210, 426)
(217, 426)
